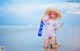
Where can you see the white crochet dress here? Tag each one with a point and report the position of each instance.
(50, 28)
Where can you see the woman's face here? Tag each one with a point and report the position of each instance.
(52, 15)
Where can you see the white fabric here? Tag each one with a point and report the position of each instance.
(49, 28)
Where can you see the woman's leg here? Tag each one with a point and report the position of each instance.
(46, 41)
(53, 42)
(50, 41)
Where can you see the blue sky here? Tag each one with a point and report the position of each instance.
(26, 12)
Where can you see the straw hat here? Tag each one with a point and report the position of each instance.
(51, 9)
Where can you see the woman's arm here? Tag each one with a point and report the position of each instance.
(60, 26)
(45, 18)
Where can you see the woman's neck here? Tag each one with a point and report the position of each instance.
(54, 19)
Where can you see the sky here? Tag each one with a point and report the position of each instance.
(29, 12)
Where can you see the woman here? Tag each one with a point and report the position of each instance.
(50, 23)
